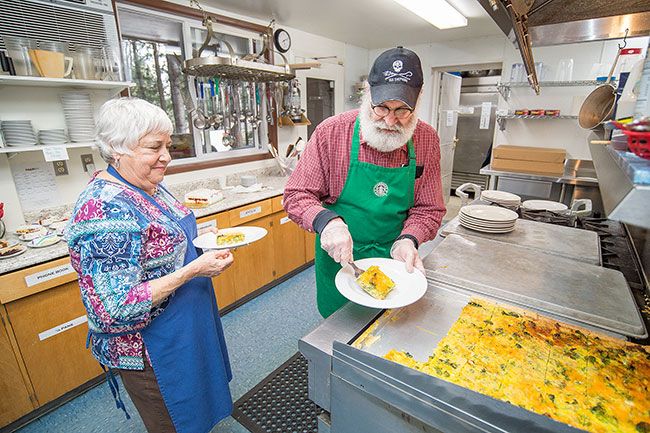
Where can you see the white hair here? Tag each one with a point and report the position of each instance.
(123, 122)
(373, 130)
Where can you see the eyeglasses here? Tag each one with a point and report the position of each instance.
(399, 113)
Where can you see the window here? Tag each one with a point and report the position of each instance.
(214, 119)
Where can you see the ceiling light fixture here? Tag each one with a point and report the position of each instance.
(438, 12)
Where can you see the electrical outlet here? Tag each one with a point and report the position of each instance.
(86, 160)
(60, 168)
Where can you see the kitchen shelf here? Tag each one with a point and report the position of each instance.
(19, 149)
(501, 120)
(504, 88)
(113, 86)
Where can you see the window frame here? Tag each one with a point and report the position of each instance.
(191, 18)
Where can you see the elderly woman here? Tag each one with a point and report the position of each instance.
(147, 290)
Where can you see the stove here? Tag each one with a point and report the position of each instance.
(616, 252)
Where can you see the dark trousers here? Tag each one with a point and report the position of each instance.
(142, 387)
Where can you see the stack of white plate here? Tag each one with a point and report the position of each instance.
(52, 136)
(487, 219)
(554, 206)
(18, 133)
(501, 198)
(78, 112)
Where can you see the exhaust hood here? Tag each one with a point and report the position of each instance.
(540, 23)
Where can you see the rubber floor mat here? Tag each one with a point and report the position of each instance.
(279, 403)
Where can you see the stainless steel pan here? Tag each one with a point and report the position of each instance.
(599, 104)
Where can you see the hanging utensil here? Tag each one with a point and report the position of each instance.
(599, 104)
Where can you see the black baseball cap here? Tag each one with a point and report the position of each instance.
(396, 75)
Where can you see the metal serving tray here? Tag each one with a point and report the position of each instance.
(572, 243)
(584, 293)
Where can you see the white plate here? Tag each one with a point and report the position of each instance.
(208, 241)
(487, 226)
(487, 229)
(544, 205)
(489, 213)
(500, 196)
(44, 241)
(408, 287)
(23, 248)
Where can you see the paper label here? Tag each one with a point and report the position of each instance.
(450, 117)
(251, 211)
(48, 274)
(55, 153)
(62, 327)
(486, 109)
(206, 224)
(284, 220)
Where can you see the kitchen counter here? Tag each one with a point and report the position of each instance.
(576, 172)
(272, 186)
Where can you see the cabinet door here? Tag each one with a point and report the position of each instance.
(224, 284)
(57, 361)
(15, 401)
(253, 265)
(289, 244)
(310, 245)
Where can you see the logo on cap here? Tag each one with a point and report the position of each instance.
(396, 74)
(397, 65)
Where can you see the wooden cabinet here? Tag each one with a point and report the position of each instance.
(224, 284)
(14, 387)
(310, 245)
(51, 331)
(289, 244)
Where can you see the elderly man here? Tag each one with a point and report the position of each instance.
(369, 180)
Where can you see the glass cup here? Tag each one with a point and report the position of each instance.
(18, 51)
(51, 59)
(564, 70)
(517, 73)
(84, 62)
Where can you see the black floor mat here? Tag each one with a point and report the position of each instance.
(279, 403)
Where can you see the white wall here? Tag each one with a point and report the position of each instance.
(42, 107)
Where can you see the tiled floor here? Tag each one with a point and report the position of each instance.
(261, 335)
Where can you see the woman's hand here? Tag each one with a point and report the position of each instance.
(211, 263)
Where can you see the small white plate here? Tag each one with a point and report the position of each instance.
(500, 196)
(44, 241)
(483, 223)
(544, 205)
(489, 213)
(208, 241)
(486, 229)
(408, 287)
(21, 249)
(32, 230)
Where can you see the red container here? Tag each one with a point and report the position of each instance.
(638, 142)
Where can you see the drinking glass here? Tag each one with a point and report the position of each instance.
(564, 70)
(18, 51)
(517, 73)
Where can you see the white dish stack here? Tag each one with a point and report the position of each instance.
(79, 118)
(18, 133)
(487, 219)
(51, 136)
(502, 198)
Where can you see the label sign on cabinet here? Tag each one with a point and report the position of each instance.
(62, 327)
(251, 211)
(206, 224)
(48, 274)
(284, 220)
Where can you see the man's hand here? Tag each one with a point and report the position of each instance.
(404, 250)
(336, 240)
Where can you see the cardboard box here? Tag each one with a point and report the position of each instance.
(520, 166)
(524, 153)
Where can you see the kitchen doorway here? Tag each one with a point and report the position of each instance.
(474, 115)
(320, 102)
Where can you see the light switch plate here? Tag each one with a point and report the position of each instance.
(60, 168)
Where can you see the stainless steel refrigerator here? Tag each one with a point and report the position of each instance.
(476, 122)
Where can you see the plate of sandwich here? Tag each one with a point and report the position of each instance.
(385, 283)
(231, 237)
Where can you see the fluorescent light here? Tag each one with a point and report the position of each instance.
(438, 12)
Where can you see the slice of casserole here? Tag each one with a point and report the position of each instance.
(375, 282)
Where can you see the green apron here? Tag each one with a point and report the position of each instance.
(374, 204)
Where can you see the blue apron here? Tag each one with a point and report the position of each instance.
(187, 347)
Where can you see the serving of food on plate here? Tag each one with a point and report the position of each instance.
(202, 197)
(12, 251)
(30, 231)
(376, 283)
(230, 238)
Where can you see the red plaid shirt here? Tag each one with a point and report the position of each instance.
(323, 169)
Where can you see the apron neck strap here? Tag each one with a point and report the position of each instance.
(354, 151)
(113, 172)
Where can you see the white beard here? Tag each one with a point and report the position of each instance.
(375, 132)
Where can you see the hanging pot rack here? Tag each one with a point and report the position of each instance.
(249, 68)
